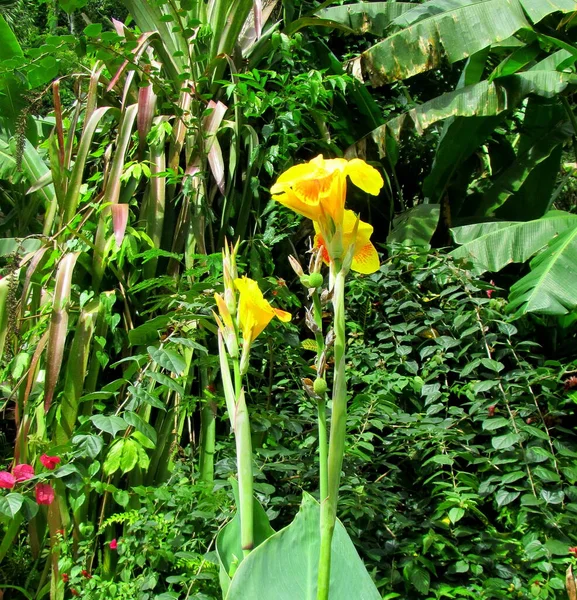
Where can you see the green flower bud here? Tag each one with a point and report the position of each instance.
(305, 280)
(316, 280)
(320, 386)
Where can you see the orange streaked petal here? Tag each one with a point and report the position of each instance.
(319, 242)
(366, 260)
(282, 315)
(299, 204)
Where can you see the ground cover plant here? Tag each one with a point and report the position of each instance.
(423, 396)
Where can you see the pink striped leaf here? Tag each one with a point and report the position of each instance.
(119, 221)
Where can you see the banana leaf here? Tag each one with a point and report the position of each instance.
(551, 286)
(366, 17)
(492, 246)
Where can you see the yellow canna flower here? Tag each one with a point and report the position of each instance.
(254, 312)
(317, 189)
(365, 257)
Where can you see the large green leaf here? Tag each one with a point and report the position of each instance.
(440, 30)
(228, 546)
(483, 99)
(284, 567)
(492, 246)
(11, 86)
(512, 178)
(460, 138)
(366, 17)
(551, 286)
(450, 30)
(527, 183)
(415, 227)
(537, 9)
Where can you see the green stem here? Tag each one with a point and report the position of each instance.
(337, 436)
(241, 426)
(207, 431)
(321, 404)
(323, 449)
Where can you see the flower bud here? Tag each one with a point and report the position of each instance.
(296, 266)
(316, 280)
(320, 386)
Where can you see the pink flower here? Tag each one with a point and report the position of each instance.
(113, 544)
(49, 462)
(490, 292)
(44, 493)
(23, 472)
(7, 480)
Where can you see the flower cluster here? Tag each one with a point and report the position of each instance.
(23, 472)
(317, 190)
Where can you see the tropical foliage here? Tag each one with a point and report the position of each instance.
(216, 374)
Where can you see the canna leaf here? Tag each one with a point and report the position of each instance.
(73, 191)
(58, 328)
(119, 221)
(76, 372)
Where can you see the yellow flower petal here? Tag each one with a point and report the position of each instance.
(365, 260)
(254, 312)
(284, 316)
(223, 311)
(364, 176)
(317, 189)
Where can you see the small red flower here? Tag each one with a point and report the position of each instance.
(23, 472)
(570, 383)
(281, 282)
(490, 292)
(113, 544)
(274, 293)
(74, 592)
(65, 577)
(86, 574)
(44, 493)
(573, 551)
(491, 411)
(211, 388)
(7, 480)
(50, 462)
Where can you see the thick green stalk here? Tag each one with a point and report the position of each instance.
(244, 467)
(323, 449)
(321, 403)
(207, 431)
(337, 437)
